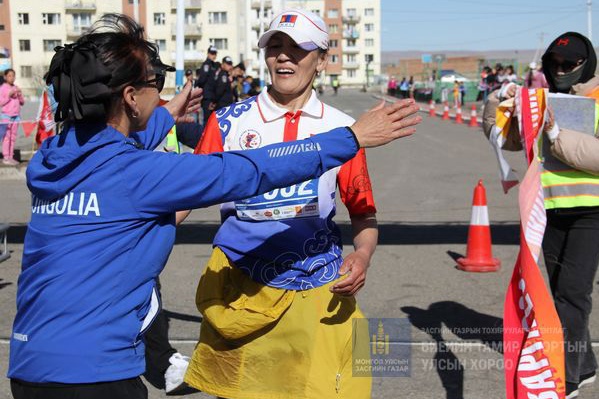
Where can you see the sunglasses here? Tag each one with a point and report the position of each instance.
(157, 82)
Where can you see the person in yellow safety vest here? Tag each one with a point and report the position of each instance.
(172, 143)
(570, 180)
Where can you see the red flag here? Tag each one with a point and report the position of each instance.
(28, 127)
(45, 119)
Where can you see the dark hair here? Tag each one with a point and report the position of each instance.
(9, 70)
(89, 74)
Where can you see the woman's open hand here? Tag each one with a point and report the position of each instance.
(184, 103)
(383, 124)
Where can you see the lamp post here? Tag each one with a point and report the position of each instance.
(369, 59)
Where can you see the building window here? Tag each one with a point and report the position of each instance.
(220, 44)
(334, 28)
(26, 71)
(51, 18)
(369, 42)
(350, 58)
(317, 12)
(219, 17)
(191, 44)
(350, 43)
(23, 18)
(334, 43)
(369, 12)
(131, 1)
(351, 12)
(334, 59)
(82, 21)
(190, 17)
(25, 45)
(369, 27)
(1, 27)
(333, 13)
(161, 43)
(351, 73)
(369, 57)
(49, 45)
(159, 18)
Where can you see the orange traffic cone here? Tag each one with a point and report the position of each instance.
(458, 116)
(431, 108)
(445, 111)
(478, 254)
(473, 119)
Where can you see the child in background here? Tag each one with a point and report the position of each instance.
(11, 100)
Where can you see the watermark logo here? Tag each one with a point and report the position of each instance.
(381, 348)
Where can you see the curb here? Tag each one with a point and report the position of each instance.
(13, 172)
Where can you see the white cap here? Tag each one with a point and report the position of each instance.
(532, 65)
(306, 29)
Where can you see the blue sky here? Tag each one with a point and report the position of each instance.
(430, 25)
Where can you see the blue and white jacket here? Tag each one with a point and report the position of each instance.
(101, 230)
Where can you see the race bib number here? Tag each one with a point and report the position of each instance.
(297, 201)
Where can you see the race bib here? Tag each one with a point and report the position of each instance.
(296, 201)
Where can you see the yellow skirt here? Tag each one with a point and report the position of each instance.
(258, 342)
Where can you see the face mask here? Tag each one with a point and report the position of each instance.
(566, 81)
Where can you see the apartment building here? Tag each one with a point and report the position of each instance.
(355, 37)
(30, 30)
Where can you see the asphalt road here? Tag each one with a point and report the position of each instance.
(423, 189)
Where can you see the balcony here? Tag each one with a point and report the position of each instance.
(351, 49)
(351, 34)
(189, 4)
(73, 32)
(351, 65)
(189, 30)
(256, 25)
(79, 6)
(189, 55)
(351, 19)
(256, 4)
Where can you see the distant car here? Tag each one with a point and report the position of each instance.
(453, 76)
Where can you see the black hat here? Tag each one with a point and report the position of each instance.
(212, 50)
(227, 60)
(572, 47)
(188, 72)
(241, 66)
(160, 67)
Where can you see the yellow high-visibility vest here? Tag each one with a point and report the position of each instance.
(172, 143)
(564, 186)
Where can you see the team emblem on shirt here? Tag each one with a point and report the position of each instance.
(250, 139)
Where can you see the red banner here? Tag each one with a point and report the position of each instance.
(533, 344)
(46, 122)
(532, 338)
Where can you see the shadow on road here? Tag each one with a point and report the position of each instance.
(447, 316)
(390, 233)
(2, 285)
(182, 316)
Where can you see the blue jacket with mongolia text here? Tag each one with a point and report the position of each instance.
(102, 227)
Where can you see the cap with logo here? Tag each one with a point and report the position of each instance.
(306, 29)
(227, 60)
(212, 50)
(571, 47)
